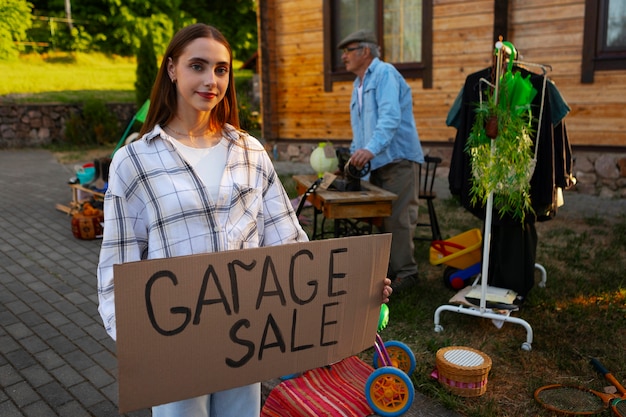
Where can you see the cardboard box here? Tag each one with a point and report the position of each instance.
(199, 324)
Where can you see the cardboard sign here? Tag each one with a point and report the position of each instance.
(199, 324)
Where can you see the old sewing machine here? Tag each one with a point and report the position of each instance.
(349, 176)
(352, 203)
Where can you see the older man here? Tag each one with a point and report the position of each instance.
(384, 133)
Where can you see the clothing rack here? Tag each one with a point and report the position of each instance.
(482, 311)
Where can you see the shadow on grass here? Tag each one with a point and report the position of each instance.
(60, 59)
(70, 96)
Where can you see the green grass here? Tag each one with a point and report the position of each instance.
(579, 314)
(73, 78)
(67, 77)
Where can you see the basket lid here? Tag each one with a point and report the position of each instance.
(464, 357)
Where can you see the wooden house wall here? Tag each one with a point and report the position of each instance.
(551, 32)
(544, 31)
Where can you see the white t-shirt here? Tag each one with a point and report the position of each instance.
(209, 163)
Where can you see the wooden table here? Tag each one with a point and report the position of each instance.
(80, 194)
(369, 205)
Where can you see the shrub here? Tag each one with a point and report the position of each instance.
(248, 115)
(146, 69)
(14, 21)
(94, 125)
(76, 39)
(248, 107)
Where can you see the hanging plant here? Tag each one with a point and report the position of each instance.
(506, 166)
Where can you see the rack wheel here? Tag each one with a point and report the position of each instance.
(389, 391)
(401, 355)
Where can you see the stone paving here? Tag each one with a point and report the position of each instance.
(55, 357)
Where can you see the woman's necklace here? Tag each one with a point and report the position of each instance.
(192, 137)
(187, 135)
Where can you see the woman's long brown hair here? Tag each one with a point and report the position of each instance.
(163, 102)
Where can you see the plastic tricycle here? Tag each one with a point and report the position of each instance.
(389, 390)
(461, 254)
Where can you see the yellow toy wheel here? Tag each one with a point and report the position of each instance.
(401, 356)
(389, 391)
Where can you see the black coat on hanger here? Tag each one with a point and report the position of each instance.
(514, 246)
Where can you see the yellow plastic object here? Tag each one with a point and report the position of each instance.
(389, 391)
(460, 251)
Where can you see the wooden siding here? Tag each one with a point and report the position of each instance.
(296, 107)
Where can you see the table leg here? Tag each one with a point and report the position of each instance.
(314, 234)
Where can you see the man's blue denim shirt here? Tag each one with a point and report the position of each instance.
(385, 125)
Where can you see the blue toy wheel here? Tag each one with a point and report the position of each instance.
(401, 355)
(290, 376)
(447, 278)
(457, 279)
(389, 391)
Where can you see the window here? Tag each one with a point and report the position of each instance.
(403, 27)
(604, 44)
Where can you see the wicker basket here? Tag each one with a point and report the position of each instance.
(463, 370)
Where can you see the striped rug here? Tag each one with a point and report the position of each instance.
(337, 390)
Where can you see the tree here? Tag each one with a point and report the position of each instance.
(14, 22)
(68, 13)
(236, 19)
(146, 69)
(117, 26)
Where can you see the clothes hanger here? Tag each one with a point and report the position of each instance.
(510, 50)
(544, 67)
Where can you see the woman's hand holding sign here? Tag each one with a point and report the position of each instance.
(387, 290)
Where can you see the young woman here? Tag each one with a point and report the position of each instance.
(194, 183)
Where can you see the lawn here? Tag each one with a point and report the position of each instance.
(64, 77)
(581, 313)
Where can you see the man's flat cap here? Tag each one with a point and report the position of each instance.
(362, 35)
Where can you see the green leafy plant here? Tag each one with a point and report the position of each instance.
(501, 150)
(94, 125)
(147, 69)
(249, 117)
(14, 22)
(75, 39)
